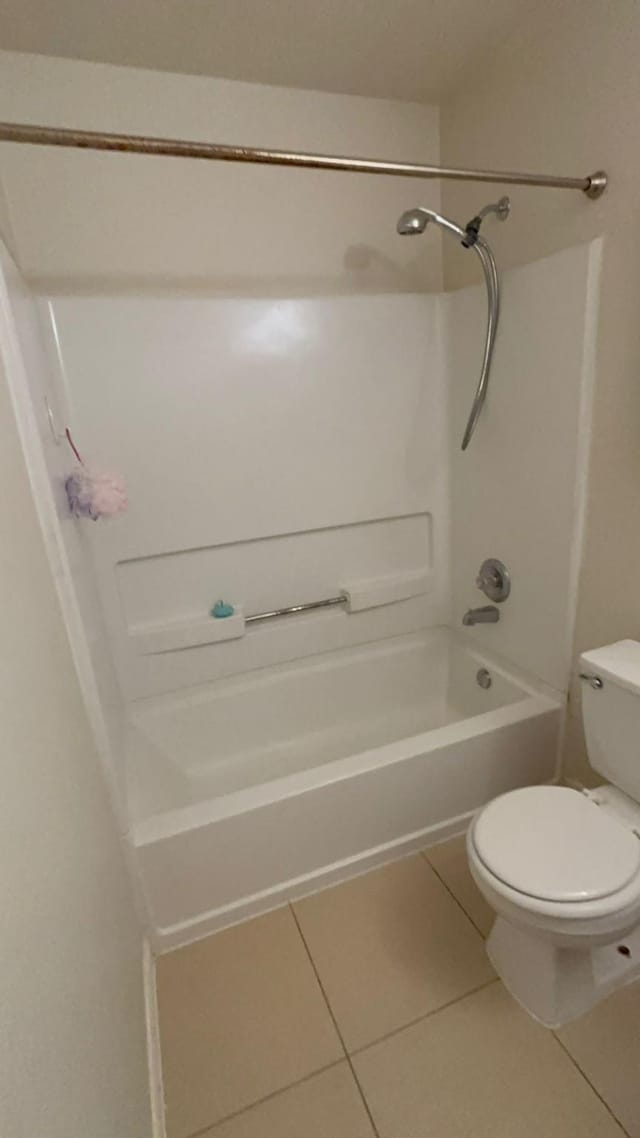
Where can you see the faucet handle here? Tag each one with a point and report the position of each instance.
(494, 580)
(489, 577)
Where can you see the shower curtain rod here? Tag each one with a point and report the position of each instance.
(593, 186)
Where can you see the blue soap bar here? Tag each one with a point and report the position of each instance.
(222, 609)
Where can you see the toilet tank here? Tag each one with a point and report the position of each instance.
(611, 713)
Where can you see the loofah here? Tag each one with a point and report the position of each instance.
(96, 495)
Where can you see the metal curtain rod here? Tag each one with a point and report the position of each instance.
(593, 186)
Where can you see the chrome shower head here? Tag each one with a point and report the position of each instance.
(416, 220)
(413, 221)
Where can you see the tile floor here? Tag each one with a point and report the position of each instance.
(370, 1009)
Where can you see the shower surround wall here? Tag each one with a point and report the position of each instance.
(300, 448)
(276, 452)
(519, 491)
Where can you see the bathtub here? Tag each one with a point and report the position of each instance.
(259, 789)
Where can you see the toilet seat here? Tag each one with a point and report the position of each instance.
(554, 847)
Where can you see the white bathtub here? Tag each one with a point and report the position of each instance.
(256, 790)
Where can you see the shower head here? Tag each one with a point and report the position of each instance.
(415, 221)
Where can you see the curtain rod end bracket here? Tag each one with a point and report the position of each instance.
(597, 184)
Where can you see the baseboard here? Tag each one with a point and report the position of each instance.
(175, 936)
(156, 1090)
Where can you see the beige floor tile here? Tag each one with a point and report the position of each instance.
(606, 1046)
(449, 860)
(241, 1016)
(328, 1105)
(479, 1069)
(389, 947)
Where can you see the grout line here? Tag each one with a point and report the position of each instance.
(367, 1108)
(452, 894)
(212, 1126)
(335, 1024)
(427, 1015)
(589, 1083)
(318, 980)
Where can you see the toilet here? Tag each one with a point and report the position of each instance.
(561, 867)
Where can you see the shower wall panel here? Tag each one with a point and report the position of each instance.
(518, 492)
(276, 451)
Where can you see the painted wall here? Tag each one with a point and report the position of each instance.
(90, 222)
(565, 101)
(72, 1052)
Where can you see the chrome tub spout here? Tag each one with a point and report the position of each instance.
(487, 614)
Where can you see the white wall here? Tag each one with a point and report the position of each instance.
(564, 99)
(72, 1052)
(89, 222)
(518, 491)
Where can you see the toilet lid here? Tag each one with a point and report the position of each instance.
(555, 844)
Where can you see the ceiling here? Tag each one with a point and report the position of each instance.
(404, 49)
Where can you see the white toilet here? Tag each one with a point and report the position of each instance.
(561, 867)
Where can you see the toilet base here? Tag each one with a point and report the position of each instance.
(555, 983)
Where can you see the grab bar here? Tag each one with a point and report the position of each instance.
(290, 609)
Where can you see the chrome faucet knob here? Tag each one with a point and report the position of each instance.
(490, 578)
(494, 580)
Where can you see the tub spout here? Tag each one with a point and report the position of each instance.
(488, 614)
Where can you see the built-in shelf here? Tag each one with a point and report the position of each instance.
(178, 635)
(175, 636)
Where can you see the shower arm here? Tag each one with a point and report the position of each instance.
(493, 308)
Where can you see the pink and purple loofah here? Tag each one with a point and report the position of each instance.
(94, 495)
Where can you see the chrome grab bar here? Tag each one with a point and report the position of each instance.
(291, 609)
